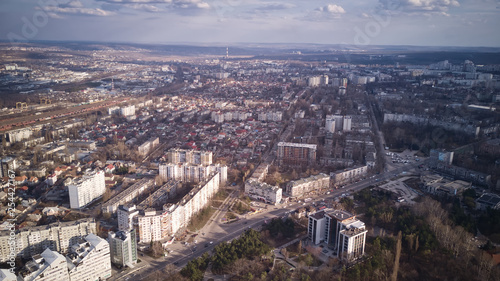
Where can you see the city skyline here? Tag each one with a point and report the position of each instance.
(360, 23)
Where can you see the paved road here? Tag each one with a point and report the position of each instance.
(217, 232)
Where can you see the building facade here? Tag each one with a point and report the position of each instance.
(194, 157)
(90, 259)
(47, 266)
(263, 191)
(86, 189)
(306, 185)
(123, 247)
(296, 154)
(34, 240)
(340, 229)
(348, 175)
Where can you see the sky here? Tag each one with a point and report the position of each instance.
(354, 22)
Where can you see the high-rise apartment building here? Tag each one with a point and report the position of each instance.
(194, 157)
(47, 266)
(7, 164)
(191, 173)
(89, 259)
(58, 236)
(340, 229)
(330, 124)
(296, 154)
(123, 247)
(86, 189)
(347, 125)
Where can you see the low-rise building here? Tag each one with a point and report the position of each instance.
(348, 175)
(263, 191)
(306, 185)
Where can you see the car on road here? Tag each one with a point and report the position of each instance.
(176, 263)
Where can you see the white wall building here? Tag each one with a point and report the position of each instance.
(34, 240)
(127, 110)
(306, 185)
(86, 189)
(47, 266)
(347, 125)
(90, 260)
(263, 191)
(123, 248)
(330, 124)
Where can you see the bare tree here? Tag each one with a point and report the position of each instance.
(394, 275)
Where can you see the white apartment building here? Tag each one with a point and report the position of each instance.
(153, 225)
(127, 195)
(123, 248)
(194, 157)
(306, 185)
(18, 135)
(47, 266)
(347, 126)
(127, 110)
(340, 229)
(263, 191)
(7, 275)
(191, 173)
(149, 224)
(34, 240)
(125, 215)
(348, 175)
(330, 124)
(90, 259)
(86, 189)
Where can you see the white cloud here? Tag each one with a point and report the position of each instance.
(419, 5)
(78, 11)
(144, 7)
(333, 9)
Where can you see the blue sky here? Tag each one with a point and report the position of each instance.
(359, 22)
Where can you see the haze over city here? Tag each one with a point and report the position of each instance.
(365, 22)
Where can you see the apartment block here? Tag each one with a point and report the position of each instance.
(123, 248)
(191, 173)
(339, 229)
(86, 189)
(47, 266)
(128, 195)
(303, 186)
(194, 157)
(90, 259)
(263, 191)
(296, 154)
(58, 236)
(154, 224)
(348, 175)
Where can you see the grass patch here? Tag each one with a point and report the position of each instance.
(216, 204)
(241, 208)
(230, 216)
(221, 195)
(200, 219)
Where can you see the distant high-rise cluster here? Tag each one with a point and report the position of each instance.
(189, 156)
(191, 166)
